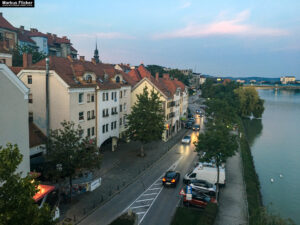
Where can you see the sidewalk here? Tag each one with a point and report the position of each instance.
(233, 201)
(118, 170)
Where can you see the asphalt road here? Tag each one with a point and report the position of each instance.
(146, 196)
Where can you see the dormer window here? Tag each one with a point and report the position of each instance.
(88, 78)
(117, 79)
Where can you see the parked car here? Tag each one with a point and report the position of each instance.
(192, 120)
(171, 178)
(189, 125)
(199, 199)
(186, 139)
(196, 127)
(204, 186)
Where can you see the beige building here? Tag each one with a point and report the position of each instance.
(14, 115)
(81, 91)
(173, 95)
(287, 79)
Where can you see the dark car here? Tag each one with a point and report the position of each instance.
(171, 178)
(203, 186)
(192, 120)
(196, 127)
(189, 125)
(199, 199)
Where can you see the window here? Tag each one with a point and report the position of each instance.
(88, 79)
(88, 97)
(30, 98)
(103, 129)
(112, 96)
(124, 93)
(88, 115)
(81, 116)
(115, 95)
(103, 113)
(117, 79)
(106, 127)
(124, 120)
(121, 94)
(115, 124)
(92, 98)
(93, 131)
(80, 98)
(106, 96)
(121, 121)
(29, 79)
(30, 117)
(93, 114)
(103, 97)
(112, 125)
(81, 133)
(120, 108)
(124, 106)
(88, 132)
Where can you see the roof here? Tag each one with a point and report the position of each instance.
(5, 24)
(72, 70)
(167, 86)
(36, 137)
(43, 191)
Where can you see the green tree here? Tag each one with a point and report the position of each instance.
(146, 120)
(68, 152)
(218, 143)
(250, 102)
(16, 193)
(17, 54)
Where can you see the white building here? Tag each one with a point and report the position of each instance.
(14, 115)
(287, 79)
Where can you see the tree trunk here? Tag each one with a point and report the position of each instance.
(70, 182)
(142, 150)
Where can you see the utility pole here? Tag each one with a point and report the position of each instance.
(47, 99)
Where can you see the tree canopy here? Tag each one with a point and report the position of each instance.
(68, 152)
(146, 120)
(16, 193)
(17, 55)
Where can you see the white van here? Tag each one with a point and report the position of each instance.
(209, 174)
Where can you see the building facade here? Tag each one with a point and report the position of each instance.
(288, 79)
(14, 115)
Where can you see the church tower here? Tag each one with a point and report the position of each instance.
(96, 55)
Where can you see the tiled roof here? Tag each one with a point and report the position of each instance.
(167, 86)
(16, 69)
(5, 24)
(22, 36)
(70, 70)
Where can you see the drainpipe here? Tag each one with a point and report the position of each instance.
(47, 98)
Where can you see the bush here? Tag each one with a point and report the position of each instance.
(209, 215)
(125, 219)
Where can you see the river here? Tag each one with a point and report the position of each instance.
(275, 146)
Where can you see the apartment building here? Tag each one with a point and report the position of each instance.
(81, 91)
(14, 115)
(287, 79)
(173, 95)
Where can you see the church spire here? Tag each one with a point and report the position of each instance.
(96, 54)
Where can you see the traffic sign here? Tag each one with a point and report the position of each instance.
(188, 189)
(188, 197)
(182, 192)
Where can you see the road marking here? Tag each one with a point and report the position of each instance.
(141, 206)
(144, 200)
(140, 213)
(151, 194)
(152, 189)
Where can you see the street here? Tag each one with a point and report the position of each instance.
(153, 203)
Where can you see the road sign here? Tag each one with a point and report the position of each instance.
(182, 192)
(188, 197)
(188, 189)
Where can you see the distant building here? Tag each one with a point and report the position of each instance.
(226, 81)
(187, 72)
(252, 81)
(240, 81)
(123, 67)
(287, 79)
(202, 80)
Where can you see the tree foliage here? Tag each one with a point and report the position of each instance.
(16, 193)
(146, 120)
(17, 54)
(250, 102)
(68, 152)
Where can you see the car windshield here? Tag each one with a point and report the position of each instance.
(197, 126)
(170, 174)
(187, 137)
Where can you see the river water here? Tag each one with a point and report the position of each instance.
(275, 146)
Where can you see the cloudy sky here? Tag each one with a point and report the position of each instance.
(217, 37)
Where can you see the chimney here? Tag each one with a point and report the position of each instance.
(166, 76)
(1, 14)
(49, 34)
(81, 58)
(21, 27)
(93, 61)
(156, 76)
(70, 58)
(33, 30)
(27, 60)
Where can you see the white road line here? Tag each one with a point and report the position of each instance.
(140, 213)
(152, 189)
(141, 206)
(151, 194)
(144, 200)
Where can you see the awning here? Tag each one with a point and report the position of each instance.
(43, 191)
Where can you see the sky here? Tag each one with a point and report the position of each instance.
(216, 37)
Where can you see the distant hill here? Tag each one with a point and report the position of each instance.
(247, 79)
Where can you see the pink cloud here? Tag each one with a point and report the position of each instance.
(232, 27)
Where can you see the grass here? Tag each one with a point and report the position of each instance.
(184, 215)
(125, 219)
